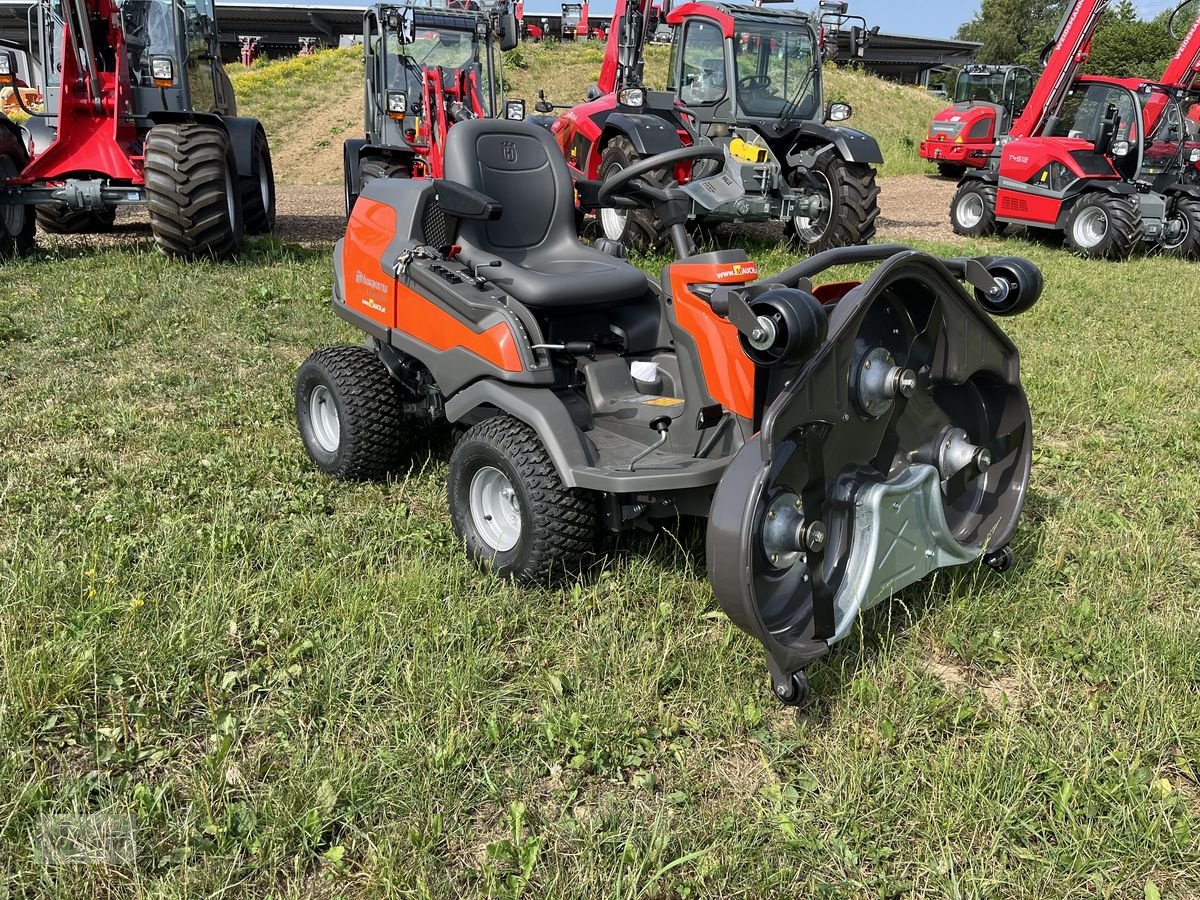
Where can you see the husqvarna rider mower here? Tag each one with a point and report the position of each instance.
(844, 441)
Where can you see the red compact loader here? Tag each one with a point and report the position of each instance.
(138, 110)
(986, 100)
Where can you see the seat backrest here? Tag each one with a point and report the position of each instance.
(518, 164)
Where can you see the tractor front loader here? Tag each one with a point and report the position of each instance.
(748, 80)
(426, 69)
(138, 111)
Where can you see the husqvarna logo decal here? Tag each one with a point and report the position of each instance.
(509, 149)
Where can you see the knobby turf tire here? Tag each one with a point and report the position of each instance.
(1188, 246)
(373, 428)
(558, 523)
(855, 197)
(54, 218)
(643, 231)
(192, 191)
(258, 188)
(1125, 232)
(18, 224)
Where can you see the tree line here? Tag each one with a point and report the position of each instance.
(1125, 46)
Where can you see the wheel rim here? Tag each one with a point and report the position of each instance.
(1090, 228)
(12, 215)
(322, 412)
(495, 509)
(1184, 225)
(970, 210)
(811, 229)
(612, 221)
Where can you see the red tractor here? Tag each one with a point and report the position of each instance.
(986, 100)
(138, 110)
(1105, 162)
(748, 80)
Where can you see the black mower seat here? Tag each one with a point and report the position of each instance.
(542, 262)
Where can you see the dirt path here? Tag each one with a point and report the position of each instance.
(912, 207)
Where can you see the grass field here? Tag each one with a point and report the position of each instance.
(311, 104)
(297, 687)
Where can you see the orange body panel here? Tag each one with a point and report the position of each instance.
(373, 291)
(728, 372)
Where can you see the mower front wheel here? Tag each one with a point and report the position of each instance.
(193, 192)
(350, 413)
(973, 210)
(18, 224)
(1105, 226)
(511, 509)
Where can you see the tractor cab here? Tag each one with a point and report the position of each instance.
(426, 69)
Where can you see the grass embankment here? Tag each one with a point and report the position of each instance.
(311, 104)
(299, 687)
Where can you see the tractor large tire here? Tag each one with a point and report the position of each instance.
(18, 224)
(973, 210)
(192, 191)
(350, 414)
(1105, 226)
(54, 218)
(1186, 245)
(637, 229)
(258, 188)
(510, 508)
(851, 195)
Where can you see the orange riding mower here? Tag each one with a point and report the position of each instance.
(843, 440)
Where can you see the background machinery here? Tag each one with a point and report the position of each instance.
(986, 100)
(1105, 162)
(138, 109)
(425, 70)
(574, 22)
(746, 79)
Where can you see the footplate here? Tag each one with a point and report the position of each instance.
(903, 446)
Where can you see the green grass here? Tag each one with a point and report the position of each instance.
(312, 104)
(296, 687)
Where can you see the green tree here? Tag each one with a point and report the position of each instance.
(1013, 31)
(1131, 49)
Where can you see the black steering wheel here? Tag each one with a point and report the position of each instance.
(615, 185)
(755, 82)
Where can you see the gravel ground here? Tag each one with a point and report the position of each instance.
(912, 206)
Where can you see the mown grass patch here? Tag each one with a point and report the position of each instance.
(299, 687)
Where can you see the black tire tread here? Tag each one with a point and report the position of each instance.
(53, 218)
(1125, 221)
(856, 205)
(371, 415)
(186, 164)
(643, 231)
(258, 218)
(564, 519)
(1189, 248)
(988, 226)
(25, 239)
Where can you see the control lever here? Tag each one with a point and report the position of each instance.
(571, 348)
(661, 424)
(480, 281)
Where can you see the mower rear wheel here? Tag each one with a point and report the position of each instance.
(18, 224)
(1105, 226)
(850, 205)
(53, 218)
(350, 413)
(511, 509)
(637, 229)
(193, 192)
(1186, 217)
(973, 210)
(258, 188)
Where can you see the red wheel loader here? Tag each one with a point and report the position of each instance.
(1105, 162)
(425, 70)
(138, 110)
(986, 100)
(748, 80)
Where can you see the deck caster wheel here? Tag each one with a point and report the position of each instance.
(1000, 561)
(794, 691)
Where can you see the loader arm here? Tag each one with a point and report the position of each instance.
(1070, 50)
(624, 51)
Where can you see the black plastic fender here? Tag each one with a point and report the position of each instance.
(649, 134)
(538, 408)
(352, 153)
(1184, 190)
(852, 145)
(241, 136)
